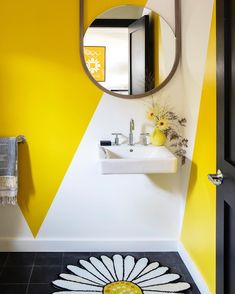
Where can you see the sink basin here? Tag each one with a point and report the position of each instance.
(138, 159)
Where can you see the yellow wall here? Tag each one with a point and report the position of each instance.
(44, 92)
(157, 46)
(198, 233)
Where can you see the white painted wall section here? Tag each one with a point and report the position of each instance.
(91, 205)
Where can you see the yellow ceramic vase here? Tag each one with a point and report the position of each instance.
(158, 138)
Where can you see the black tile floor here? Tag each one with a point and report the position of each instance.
(32, 273)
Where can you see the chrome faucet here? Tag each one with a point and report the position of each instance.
(132, 127)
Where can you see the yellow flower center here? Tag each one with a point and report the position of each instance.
(122, 287)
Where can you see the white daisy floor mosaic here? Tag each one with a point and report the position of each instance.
(119, 275)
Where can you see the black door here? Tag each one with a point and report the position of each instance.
(226, 146)
(140, 56)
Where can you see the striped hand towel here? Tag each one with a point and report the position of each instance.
(8, 170)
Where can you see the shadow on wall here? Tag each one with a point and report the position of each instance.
(162, 181)
(26, 185)
(193, 177)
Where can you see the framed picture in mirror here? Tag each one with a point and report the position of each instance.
(95, 58)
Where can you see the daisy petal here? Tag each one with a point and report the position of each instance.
(147, 292)
(101, 268)
(77, 279)
(84, 274)
(109, 264)
(118, 266)
(71, 292)
(139, 266)
(171, 287)
(78, 292)
(90, 268)
(129, 263)
(149, 268)
(67, 285)
(66, 292)
(151, 275)
(159, 280)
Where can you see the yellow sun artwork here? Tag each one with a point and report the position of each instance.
(95, 62)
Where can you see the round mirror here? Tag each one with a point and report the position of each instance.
(129, 51)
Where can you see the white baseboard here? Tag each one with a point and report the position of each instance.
(41, 245)
(192, 268)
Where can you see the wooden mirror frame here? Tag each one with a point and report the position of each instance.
(177, 34)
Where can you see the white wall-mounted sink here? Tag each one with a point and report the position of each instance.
(138, 159)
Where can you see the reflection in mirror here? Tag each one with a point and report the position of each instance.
(129, 50)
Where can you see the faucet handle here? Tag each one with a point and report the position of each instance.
(144, 138)
(116, 140)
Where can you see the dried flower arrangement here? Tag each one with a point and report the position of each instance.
(171, 125)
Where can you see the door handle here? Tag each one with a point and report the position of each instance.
(217, 179)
